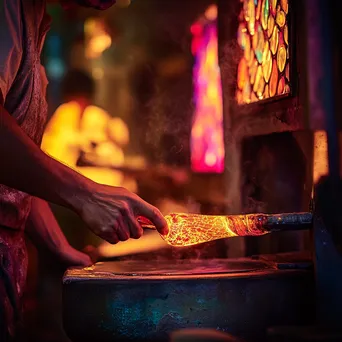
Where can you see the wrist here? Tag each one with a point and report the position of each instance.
(78, 194)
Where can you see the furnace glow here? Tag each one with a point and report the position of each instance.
(207, 144)
(98, 40)
(72, 130)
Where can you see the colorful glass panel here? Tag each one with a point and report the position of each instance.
(263, 36)
(207, 143)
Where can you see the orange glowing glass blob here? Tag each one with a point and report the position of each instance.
(284, 5)
(263, 36)
(267, 63)
(281, 86)
(193, 229)
(270, 26)
(274, 79)
(207, 143)
(281, 18)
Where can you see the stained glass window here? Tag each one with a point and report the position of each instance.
(263, 36)
(207, 145)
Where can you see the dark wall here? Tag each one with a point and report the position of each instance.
(277, 178)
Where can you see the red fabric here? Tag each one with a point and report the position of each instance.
(13, 269)
(23, 26)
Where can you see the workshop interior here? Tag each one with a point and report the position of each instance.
(225, 116)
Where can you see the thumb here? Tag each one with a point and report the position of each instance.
(153, 215)
(92, 252)
(73, 257)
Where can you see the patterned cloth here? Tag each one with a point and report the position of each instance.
(23, 26)
(97, 4)
(13, 269)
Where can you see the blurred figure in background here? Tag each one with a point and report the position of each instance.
(79, 128)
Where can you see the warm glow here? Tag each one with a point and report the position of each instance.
(149, 242)
(123, 3)
(193, 229)
(320, 162)
(98, 73)
(69, 132)
(207, 144)
(263, 70)
(98, 40)
(211, 13)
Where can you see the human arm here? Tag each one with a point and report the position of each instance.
(109, 212)
(44, 231)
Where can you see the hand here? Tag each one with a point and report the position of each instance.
(72, 257)
(92, 252)
(111, 213)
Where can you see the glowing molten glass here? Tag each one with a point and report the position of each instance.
(193, 229)
(207, 145)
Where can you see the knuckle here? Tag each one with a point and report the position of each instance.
(124, 208)
(134, 197)
(124, 192)
(102, 229)
(138, 234)
(113, 223)
(155, 212)
(124, 237)
(108, 230)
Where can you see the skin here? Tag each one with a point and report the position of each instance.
(110, 212)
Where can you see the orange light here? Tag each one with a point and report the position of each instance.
(320, 163)
(98, 40)
(70, 131)
(211, 13)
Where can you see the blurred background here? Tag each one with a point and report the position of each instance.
(134, 73)
(121, 107)
(140, 97)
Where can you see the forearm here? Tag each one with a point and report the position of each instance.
(25, 167)
(45, 233)
(43, 229)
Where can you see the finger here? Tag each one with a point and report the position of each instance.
(123, 229)
(152, 214)
(114, 232)
(73, 257)
(115, 238)
(110, 237)
(82, 259)
(135, 228)
(92, 252)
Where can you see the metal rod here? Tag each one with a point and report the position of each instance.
(287, 222)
